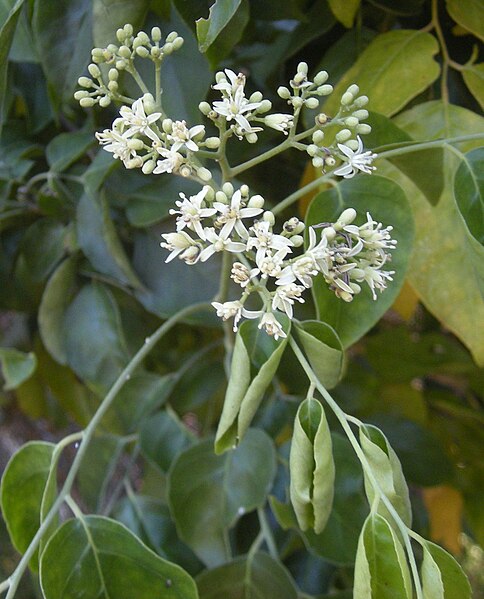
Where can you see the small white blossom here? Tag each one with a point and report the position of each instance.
(280, 122)
(137, 121)
(240, 274)
(231, 215)
(218, 243)
(181, 135)
(303, 269)
(285, 296)
(357, 160)
(117, 143)
(229, 310)
(270, 264)
(372, 275)
(190, 212)
(263, 240)
(176, 243)
(272, 326)
(171, 163)
(234, 104)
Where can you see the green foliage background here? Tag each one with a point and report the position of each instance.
(83, 282)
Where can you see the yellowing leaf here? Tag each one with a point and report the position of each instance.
(444, 505)
(469, 14)
(393, 69)
(406, 302)
(345, 11)
(474, 79)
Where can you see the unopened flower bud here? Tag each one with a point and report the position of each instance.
(321, 119)
(143, 37)
(311, 103)
(148, 167)
(353, 90)
(318, 162)
(244, 191)
(212, 143)
(297, 102)
(351, 121)
(168, 49)
(256, 201)
(142, 52)
(251, 138)
(329, 161)
(329, 233)
(283, 92)
(87, 102)
(149, 103)
(321, 77)
(104, 102)
(297, 240)
(167, 125)
(347, 99)
(324, 90)
(290, 225)
(221, 197)
(352, 144)
(124, 51)
(355, 287)
(120, 65)
(312, 149)
(81, 93)
(343, 135)
(220, 76)
(269, 217)
(156, 52)
(135, 162)
(361, 115)
(240, 274)
(156, 34)
(265, 106)
(318, 136)
(97, 54)
(120, 35)
(85, 82)
(135, 144)
(228, 189)
(298, 79)
(94, 71)
(364, 129)
(204, 108)
(178, 43)
(255, 97)
(361, 101)
(346, 217)
(204, 174)
(128, 30)
(113, 86)
(302, 67)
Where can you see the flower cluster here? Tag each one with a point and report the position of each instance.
(267, 267)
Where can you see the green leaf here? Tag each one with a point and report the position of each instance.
(400, 61)
(42, 247)
(99, 240)
(469, 14)
(22, 489)
(245, 392)
(255, 575)
(345, 11)
(474, 79)
(66, 148)
(162, 438)
(99, 557)
(311, 467)
(7, 32)
(387, 470)
(63, 57)
(230, 35)
(442, 576)
(221, 12)
(109, 15)
(17, 366)
(469, 192)
(381, 570)
(387, 203)
(94, 341)
(446, 266)
(324, 350)
(56, 298)
(207, 492)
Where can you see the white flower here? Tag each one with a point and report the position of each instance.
(285, 296)
(177, 243)
(234, 105)
(272, 326)
(303, 269)
(280, 122)
(269, 265)
(231, 84)
(229, 310)
(263, 240)
(218, 243)
(231, 215)
(137, 121)
(171, 163)
(357, 160)
(181, 135)
(191, 212)
(117, 143)
(372, 275)
(240, 274)
(374, 237)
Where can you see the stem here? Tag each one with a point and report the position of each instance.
(293, 197)
(267, 533)
(341, 416)
(158, 85)
(444, 87)
(87, 436)
(429, 144)
(137, 77)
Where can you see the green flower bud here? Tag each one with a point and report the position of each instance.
(112, 48)
(149, 104)
(113, 74)
(135, 162)
(297, 240)
(143, 37)
(120, 35)
(256, 201)
(155, 52)
(355, 287)
(351, 121)
(124, 52)
(312, 150)
(135, 144)
(204, 174)
(85, 82)
(329, 233)
(343, 135)
(361, 101)
(148, 167)
(228, 189)
(104, 102)
(94, 71)
(269, 217)
(87, 102)
(120, 65)
(324, 90)
(346, 217)
(168, 49)
(352, 144)
(171, 37)
(347, 99)
(255, 97)
(142, 52)
(318, 136)
(265, 106)
(212, 143)
(297, 102)
(81, 93)
(321, 77)
(318, 162)
(221, 197)
(283, 92)
(353, 90)
(167, 125)
(311, 103)
(113, 86)
(361, 115)
(210, 195)
(364, 129)
(97, 53)
(178, 43)
(244, 191)
(128, 30)
(298, 79)
(156, 34)
(251, 138)
(220, 76)
(204, 108)
(302, 67)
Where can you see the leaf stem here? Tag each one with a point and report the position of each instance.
(301, 192)
(267, 532)
(438, 143)
(343, 420)
(444, 86)
(87, 435)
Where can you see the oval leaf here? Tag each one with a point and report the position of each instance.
(221, 12)
(442, 576)
(387, 470)
(324, 350)
(311, 467)
(207, 492)
(99, 557)
(469, 14)
(386, 203)
(469, 192)
(381, 570)
(474, 79)
(244, 392)
(17, 366)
